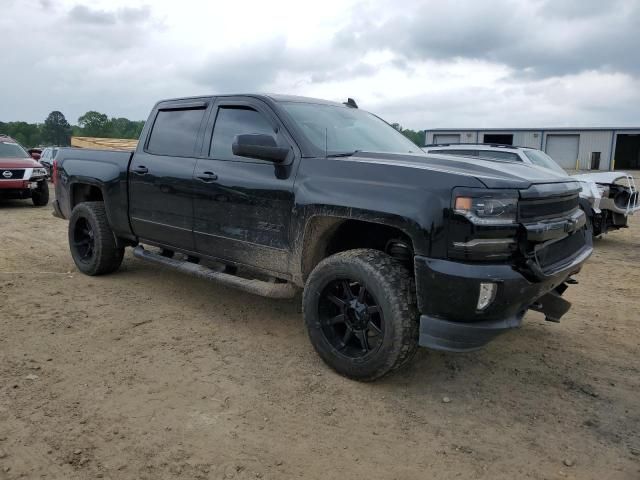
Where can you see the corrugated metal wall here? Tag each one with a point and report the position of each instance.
(465, 136)
(530, 138)
(590, 141)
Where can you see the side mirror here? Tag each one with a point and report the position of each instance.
(259, 146)
(35, 155)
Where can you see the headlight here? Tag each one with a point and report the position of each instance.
(39, 172)
(488, 208)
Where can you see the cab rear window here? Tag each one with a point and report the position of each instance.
(175, 132)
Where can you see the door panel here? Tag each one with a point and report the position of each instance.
(161, 200)
(161, 177)
(243, 215)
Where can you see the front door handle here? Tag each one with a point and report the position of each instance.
(208, 177)
(140, 170)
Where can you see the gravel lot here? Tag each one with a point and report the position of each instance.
(150, 374)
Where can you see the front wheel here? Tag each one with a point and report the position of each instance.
(40, 195)
(360, 313)
(91, 240)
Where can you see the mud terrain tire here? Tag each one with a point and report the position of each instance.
(91, 240)
(333, 308)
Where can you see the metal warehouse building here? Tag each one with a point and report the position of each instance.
(573, 148)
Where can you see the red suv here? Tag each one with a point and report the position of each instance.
(20, 175)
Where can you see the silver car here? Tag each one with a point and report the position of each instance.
(46, 158)
(608, 198)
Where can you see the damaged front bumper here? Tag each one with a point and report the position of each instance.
(448, 299)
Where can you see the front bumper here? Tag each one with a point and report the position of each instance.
(17, 189)
(448, 295)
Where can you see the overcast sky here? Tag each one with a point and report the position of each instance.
(424, 64)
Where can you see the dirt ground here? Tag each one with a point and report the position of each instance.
(150, 374)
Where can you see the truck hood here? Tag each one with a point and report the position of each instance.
(492, 173)
(18, 163)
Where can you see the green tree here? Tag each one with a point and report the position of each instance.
(416, 137)
(124, 128)
(56, 130)
(27, 134)
(94, 124)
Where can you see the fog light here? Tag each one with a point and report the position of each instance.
(487, 294)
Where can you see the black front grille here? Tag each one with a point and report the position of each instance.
(540, 209)
(16, 174)
(561, 250)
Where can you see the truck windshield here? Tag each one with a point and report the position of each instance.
(541, 159)
(344, 130)
(12, 150)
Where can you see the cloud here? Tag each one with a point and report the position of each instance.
(536, 38)
(46, 4)
(255, 68)
(131, 15)
(94, 17)
(552, 102)
(117, 29)
(424, 64)
(86, 15)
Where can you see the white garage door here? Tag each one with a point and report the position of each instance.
(563, 149)
(446, 138)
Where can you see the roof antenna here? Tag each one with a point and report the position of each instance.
(350, 103)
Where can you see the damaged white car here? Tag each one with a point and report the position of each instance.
(613, 197)
(608, 198)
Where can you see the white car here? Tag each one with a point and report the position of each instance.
(608, 198)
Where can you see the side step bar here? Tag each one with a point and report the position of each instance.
(257, 287)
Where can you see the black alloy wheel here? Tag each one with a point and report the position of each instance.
(94, 247)
(352, 321)
(360, 312)
(84, 240)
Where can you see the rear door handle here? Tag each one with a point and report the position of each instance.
(140, 170)
(208, 177)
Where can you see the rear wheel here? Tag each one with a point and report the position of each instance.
(360, 313)
(40, 196)
(91, 240)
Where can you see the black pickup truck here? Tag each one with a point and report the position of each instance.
(394, 248)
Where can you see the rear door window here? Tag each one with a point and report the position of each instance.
(497, 155)
(232, 121)
(175, 132)
(464, 153)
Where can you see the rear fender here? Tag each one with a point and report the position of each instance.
(111, 182)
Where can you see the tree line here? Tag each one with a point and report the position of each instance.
(416, 136)
(56, 130)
